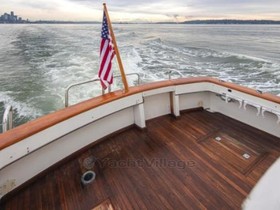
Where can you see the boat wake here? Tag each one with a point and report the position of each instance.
(42, 62)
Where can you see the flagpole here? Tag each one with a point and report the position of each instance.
(116, 49)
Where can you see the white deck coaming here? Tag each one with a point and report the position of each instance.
(219, 89)
(213, 103)
(25, 168)
(18, 150)
(133, 109)
(159, 91)
(34, 142)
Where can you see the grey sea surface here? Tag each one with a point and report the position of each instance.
(38, 62)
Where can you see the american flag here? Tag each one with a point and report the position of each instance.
(107, 54)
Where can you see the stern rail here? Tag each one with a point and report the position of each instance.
(7, 122)
(66, 103)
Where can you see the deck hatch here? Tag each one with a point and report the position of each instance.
(236, 152)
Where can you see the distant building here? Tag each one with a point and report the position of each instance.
(11, 18)
(6, 17)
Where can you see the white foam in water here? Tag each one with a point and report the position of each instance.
(253, 58)
(132, 60)
(23, 109)
(63, 55)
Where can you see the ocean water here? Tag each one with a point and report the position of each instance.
(38, 62)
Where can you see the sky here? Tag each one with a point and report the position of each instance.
(143, 10)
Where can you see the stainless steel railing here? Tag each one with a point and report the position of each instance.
(66, 103)
(7, 122)
(95, 80)
(132, 74)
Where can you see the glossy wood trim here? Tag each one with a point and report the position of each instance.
(28, 129)
(233, 86)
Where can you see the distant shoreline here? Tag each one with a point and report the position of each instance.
(225, 22)
(232, 22)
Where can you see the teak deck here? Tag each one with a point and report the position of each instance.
(197, 161)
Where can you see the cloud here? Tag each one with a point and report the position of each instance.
(149, 11)
(38, 5)
(146, 10)
(189, 9)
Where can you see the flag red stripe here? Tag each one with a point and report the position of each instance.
(107, 54)
(108, 70)
(104, 60)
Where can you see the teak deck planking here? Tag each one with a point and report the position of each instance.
(172, 164)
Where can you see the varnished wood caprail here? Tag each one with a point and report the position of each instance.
(28, 129)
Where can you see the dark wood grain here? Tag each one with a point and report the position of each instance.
(173, 164)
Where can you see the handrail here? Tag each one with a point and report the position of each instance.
(7, 123)
(77, 84)
(94, 80)
(130, 74)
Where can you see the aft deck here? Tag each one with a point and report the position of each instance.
(200, 160)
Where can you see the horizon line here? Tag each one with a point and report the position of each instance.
(166, 22)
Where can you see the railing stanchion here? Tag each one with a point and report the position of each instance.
(7, 122)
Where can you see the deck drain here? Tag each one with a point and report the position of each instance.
(88, 177)
(246, 155)
(218, 138)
